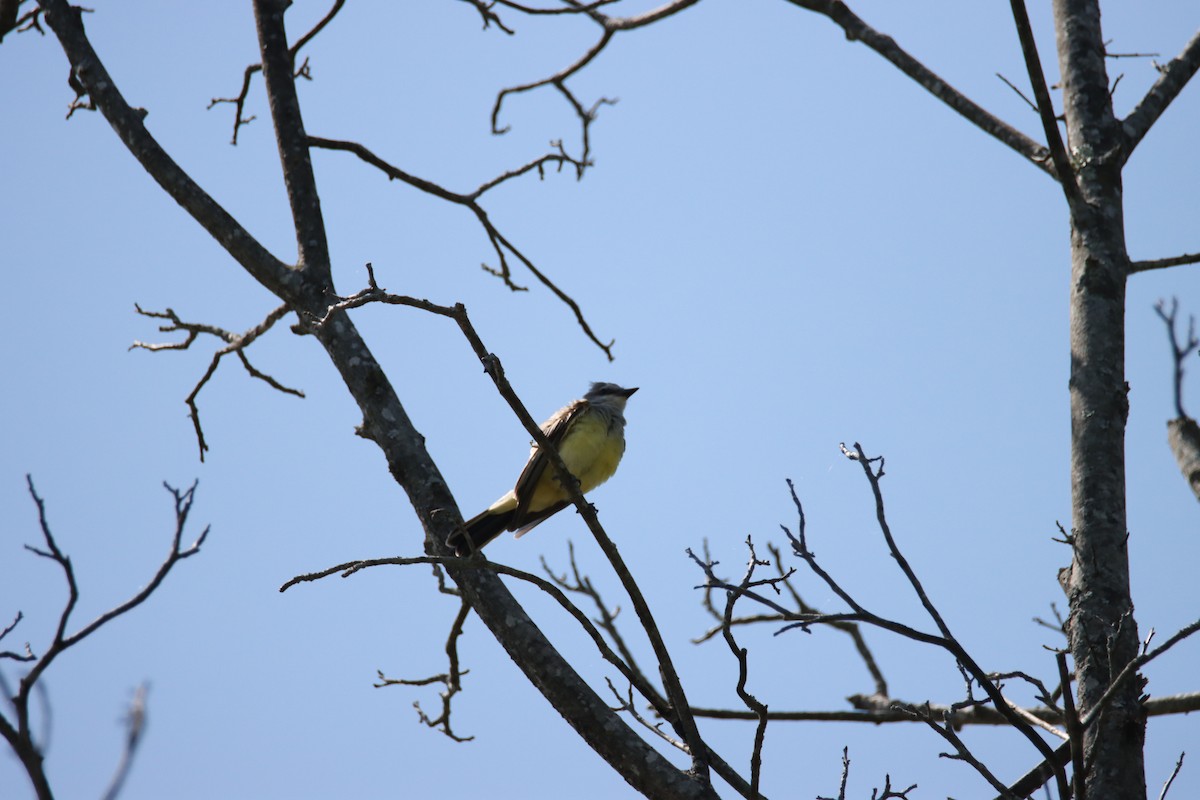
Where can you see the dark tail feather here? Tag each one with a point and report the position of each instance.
(478, 531)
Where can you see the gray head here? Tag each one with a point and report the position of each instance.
(609, 394)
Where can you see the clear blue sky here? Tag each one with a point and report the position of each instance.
(792, 244)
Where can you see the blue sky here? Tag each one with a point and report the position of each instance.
(792, 245)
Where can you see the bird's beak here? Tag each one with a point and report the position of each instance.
(628, 392)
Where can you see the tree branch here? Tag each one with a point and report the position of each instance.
(858, 30)
(18, 732)
(239, 102)
(237, 344)
(471, 201)
(1173, 76)
(1163, 263)
(89, 71)
(1045, 107)
(277, 68)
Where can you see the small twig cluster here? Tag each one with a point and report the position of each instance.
(451, 679)
(17, 730)
(303, 71)
(236, 343)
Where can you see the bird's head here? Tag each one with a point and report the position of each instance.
(609, 394)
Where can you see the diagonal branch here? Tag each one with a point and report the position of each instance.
(127, 122)
(859, 31)
(1045, 106)
(471, 201)
(1172, 78)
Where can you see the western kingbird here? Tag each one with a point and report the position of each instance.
(589, 434)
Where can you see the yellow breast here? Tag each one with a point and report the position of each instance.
(591, 451)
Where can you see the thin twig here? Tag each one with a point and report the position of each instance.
(500, 244)
(239, 102)
(945, 729)
(857, 30)
(740, 653)
(451, 679)
(237, 343)
(135, 726)
(1175, 772)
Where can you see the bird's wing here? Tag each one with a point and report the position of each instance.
(555, 429)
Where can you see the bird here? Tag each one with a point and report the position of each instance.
(589, 434)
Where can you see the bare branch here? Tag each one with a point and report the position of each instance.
(485, 11)
(845, 775)
(87, 68)
(607, 622)
(1179, 350)
(1163, 263)
(1045, 106)
(851, 629)
(1032, 105)
(610, 26)
(1173, 76)
(580, 8)
(476, 563)
(1183, 434)
(451, 679)
(135, 725)
(1074, 729)
(499, 243)
(298, 178)
(625, 703)
(858, 31)
(237, 343)
(740, 653)
(1174, 773)
(1041, 773)
(239, 102)
(18, 733)
(945, 729)
(28, 654)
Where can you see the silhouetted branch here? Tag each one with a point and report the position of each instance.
(239, 102)
(607, 621)
(1173, 76)
(609, 26)
(28, 654)
(1183, 434)
(237, 343)
(500, 243)
(857, 30)
(451, 679)
(1045, 107)
(851, 629)
(740, 653)
(17, 732)
(946, 729)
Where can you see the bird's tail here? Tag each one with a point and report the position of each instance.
(478, 531)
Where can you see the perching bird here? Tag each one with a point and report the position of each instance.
(589, 435)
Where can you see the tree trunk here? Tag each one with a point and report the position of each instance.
(1103, 632)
